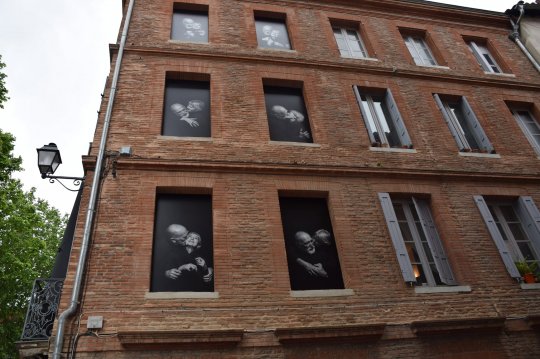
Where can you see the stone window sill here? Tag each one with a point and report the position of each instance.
(528, 286)
(435, 67)
(290, 143)
(476, 154)
(201, 139)
(391, 149)
(321, 293)
(360, 58)
(171, 41)
(181, 295)
(449, 289)
(499, 74)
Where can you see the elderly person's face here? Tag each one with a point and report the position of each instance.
(177, 234)
(267, 29)
(189, 23)
(274, 34)
(305, 242)
(193, 240)
(280, 112)
(179, 109)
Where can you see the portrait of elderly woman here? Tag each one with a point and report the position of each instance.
(182, 253)
(272, 34)
(190, 26)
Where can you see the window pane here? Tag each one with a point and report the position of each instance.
(517, 231)
(190, 26)
(398, 209)
(508, 213)
(526, 251)
(436, 274)
(272, 34)
(464, 126)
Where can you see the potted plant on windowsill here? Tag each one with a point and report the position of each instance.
(527, 270)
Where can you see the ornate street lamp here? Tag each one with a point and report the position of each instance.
(48, 161)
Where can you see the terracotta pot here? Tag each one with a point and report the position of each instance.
(529, 278)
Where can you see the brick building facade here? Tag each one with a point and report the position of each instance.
(425, 271)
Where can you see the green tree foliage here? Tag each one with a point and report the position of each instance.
(3, 90)
(30, 232)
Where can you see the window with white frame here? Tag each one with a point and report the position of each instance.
(419, 50)
(349, 42)
(530, 127)
(463, 124)
(419, 249)
(382, 118)
(514, 226)
(484, 57)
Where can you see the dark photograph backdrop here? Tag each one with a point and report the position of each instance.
(272, 34)
(182, 258)
(186, 112)
(311, 249)
(190, 26)
(287, 114)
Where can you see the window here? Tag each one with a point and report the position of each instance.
(419, 50)
(484, 57)
(383, 121)
(182, 258)
(186, 111)
(272, 33)
(349, 42)
(529, 125)
(309, 240)
(190, 25)
(463, 124)
(514, 226)
(287, 114)
(419, 249)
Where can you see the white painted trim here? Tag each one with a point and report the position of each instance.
(182, 138)
(447, 289)
(436, 67)
(476, 154)
(321, 293)
(360, 58)
(291, 143)
(181, 295)
(390, 149)
(499, 74)
(528, 286)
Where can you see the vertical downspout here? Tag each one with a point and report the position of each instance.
(514, 36)
(77, 284)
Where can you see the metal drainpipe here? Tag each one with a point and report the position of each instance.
(59, 340)
(515, 37)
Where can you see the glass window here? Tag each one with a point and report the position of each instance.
(419, 50)
(190, 26)
(484, 57)
(349, 42)
(272, 34)
(530, 127)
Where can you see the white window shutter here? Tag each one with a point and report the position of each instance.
(364, 114)
(478, 54)
(497, 237)
(397, 238)
(530, 217)
(434, 241)
(449, 123)
(397, 119)
(479, 133)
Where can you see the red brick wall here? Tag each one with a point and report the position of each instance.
(245, 171)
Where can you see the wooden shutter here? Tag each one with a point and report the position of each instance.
(497, 237)
(397, 119)
(530, 217)
(449, 122)
(478, 132)
(397, 238)
(364, 114)
(478, 54)
(434, 241)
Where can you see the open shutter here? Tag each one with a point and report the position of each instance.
(434, 241)
(530, 217)
(497, 237)
(449, 122)
(397, 119)
(364, 114)
(409, 42)
(397, 238)
(478, 54)
(479, 133)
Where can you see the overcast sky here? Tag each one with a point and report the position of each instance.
(57, 59)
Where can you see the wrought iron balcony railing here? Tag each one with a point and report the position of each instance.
(42, 309)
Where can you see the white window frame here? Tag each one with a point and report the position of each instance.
(395, 118)
(484, 57)
(534, 139)
(345, 36)
(419, 50)
(458, 132)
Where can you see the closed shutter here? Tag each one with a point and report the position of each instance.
(397, 238)
(364, 114)
(449, 123)
(497, 237)
(397, 119)
(530, 217)
(434, 241)
(479, 133)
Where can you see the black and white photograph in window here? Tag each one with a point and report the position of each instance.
(182, 256)
(287, 114)
(190, 26)
(186, 111)
(272, 34)
(309, 240)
